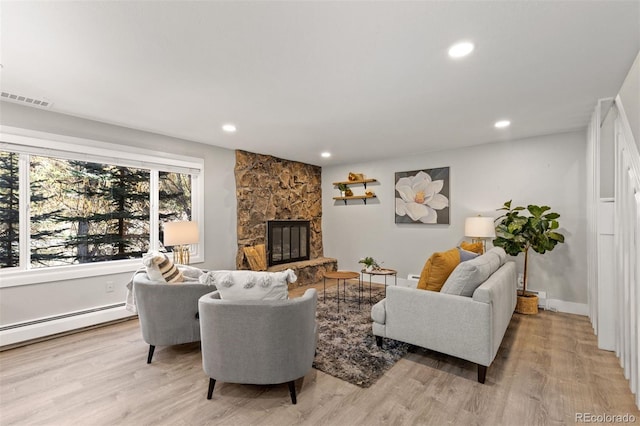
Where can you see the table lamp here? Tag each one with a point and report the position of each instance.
(180, 235)
(479, 229)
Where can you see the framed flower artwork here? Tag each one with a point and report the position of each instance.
(422, 196)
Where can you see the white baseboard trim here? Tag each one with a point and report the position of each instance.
(568, 307)
(48, 328)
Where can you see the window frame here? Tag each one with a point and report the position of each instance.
(29, 142)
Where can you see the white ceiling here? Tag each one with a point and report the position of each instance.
(363, 80)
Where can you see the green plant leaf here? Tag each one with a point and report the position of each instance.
(551, 216)
(535, 211)
(535, 223)
(514, 228)
(554, 224)
(556, 237)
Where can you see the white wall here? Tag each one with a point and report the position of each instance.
(630, 96)
(544, 170)
(30, 302)
(607, 160)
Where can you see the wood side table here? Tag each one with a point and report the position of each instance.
(344, 276)
(385, 272)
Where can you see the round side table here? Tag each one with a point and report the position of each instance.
(344, 276)
(385, 273)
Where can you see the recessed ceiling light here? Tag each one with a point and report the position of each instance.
(461, 49)
(229, 128)
(502, 124)
(326, 154)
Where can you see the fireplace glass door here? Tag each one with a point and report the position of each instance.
(287, 241)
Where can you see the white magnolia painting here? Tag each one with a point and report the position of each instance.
(422, 196)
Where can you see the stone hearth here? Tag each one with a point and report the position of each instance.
(308, 271)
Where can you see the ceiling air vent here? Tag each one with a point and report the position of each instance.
(25, 100)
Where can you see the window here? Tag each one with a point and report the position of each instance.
(88, 208)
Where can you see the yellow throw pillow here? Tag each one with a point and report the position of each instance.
(474, 247)
(437, 269)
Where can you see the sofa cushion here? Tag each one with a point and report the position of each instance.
(190, 273)
(499, 251)
(474, 247)
(250, 285)
(437, 269)
(160, 268)
(466, 254)
(469, 275)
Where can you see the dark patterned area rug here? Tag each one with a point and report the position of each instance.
(346, 345)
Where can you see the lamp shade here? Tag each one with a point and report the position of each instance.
(179, 233)
(479, 227)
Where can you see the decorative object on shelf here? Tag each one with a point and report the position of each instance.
(370, 263)
(517, 233)
(180, 235)
(342, 187)
(422, 196)
(479, 229)
(353, 177)
(348, 192)
(369, 193)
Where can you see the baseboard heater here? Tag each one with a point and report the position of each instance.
(26, 331)
(59, 317)
(542, 297)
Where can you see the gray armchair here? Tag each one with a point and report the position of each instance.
(258, 342)
(168, 313)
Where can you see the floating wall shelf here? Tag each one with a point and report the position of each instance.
(355, 182)
(355, 197)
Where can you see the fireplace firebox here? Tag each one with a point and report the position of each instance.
(287, 241)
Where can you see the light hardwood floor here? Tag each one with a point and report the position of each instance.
(547, 370)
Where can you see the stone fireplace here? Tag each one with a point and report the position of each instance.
(273, 189)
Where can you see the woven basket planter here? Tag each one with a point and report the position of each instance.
(527, 304)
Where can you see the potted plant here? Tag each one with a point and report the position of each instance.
(344, 190)
(369, 263)
(518, 233)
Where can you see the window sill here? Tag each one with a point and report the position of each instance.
(16, 277)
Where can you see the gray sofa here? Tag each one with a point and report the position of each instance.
(470, 328)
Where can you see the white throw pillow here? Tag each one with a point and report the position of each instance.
(250, 285)
(190, 273)
(160, 268)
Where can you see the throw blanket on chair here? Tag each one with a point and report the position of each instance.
(130, 304)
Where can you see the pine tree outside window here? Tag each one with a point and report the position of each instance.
(85, 212)
(9, 210)
(174, 198)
